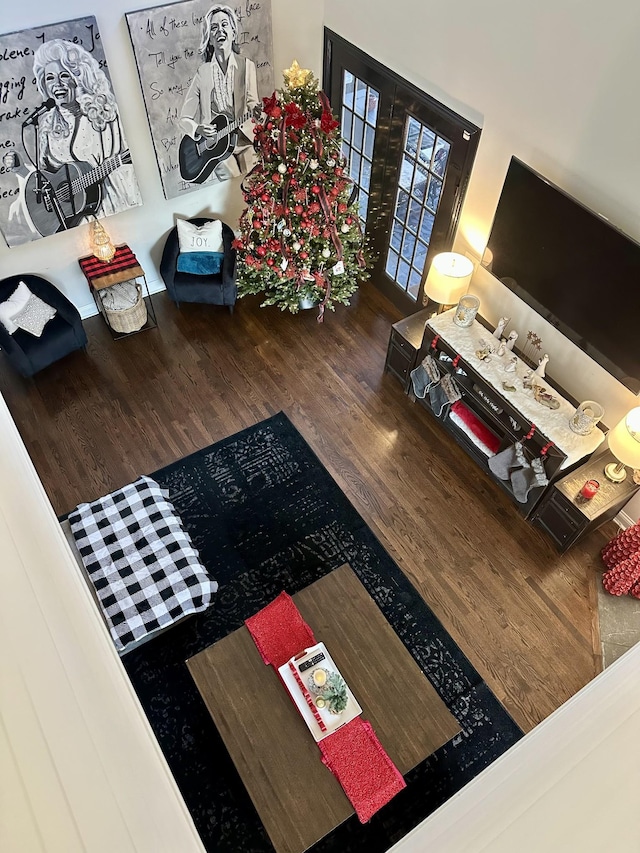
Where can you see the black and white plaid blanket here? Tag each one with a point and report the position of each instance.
(140, 560)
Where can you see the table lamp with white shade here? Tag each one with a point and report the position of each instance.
(448, 278)
(624, 443)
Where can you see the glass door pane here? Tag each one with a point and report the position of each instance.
(423, 166)
(358, 120)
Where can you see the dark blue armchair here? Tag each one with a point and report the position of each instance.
(63, 334)
(216, 288)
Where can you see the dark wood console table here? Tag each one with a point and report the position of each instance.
(508, 416)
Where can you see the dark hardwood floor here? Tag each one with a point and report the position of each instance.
(524, 615)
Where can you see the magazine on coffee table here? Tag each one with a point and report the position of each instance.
(319, 691)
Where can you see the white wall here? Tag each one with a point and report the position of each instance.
(554, 83)
(572, 784)
(145, 227)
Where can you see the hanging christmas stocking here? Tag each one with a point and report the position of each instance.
(527, 477)
(424, 376)
(502, 464)
(442, 394)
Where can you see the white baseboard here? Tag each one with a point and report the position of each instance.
(623, 520)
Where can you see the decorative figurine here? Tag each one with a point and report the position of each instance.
(502, 348)
(502, 322)
(542, 396)
(539, 371)
(513, 337)
(484, 354)
(511, 365)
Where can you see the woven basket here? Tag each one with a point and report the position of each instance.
(130, 315)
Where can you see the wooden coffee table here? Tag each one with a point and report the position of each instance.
(297, 797)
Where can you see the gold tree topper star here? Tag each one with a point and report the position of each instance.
(296, 76)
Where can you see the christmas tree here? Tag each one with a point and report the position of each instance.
(300, 238)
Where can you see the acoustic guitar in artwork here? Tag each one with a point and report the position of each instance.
(197, 158)
(59, 200)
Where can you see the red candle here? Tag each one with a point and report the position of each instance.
(589, 489)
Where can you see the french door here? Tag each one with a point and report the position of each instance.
(410, 158)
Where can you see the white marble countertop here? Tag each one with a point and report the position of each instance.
(552, 423)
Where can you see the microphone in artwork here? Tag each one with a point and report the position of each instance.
(47, 105)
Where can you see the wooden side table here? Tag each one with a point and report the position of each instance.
(566, 517)
(123, 267)
(404, 344)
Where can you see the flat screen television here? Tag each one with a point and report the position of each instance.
(572, 266)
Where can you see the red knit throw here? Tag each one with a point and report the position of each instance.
(279, 631)
(357, 759)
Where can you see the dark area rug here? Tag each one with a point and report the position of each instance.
(267, 516)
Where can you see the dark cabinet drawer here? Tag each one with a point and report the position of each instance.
(560, 519)
(400, 362)
(401, 358)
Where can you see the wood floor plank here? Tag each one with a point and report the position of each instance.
(522, 613)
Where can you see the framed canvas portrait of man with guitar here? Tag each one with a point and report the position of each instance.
(69, 162)
(216, 114)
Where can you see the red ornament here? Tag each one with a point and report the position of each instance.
(342, 207)
(290, 169)
(315, 189)
(299, 209)
(303, 156)
(339, 170)
(303, 255)
(265, 196)
(270, 261)
(269, 125)
(334, 191)
(275, 177)
(348, 220)
(256, 223)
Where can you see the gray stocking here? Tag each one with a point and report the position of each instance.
(424, 376)
(529, 477)
(504, 462)
(443, 394)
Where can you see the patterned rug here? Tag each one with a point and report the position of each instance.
(266, 516)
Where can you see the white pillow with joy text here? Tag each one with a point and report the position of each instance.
(200, 238)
